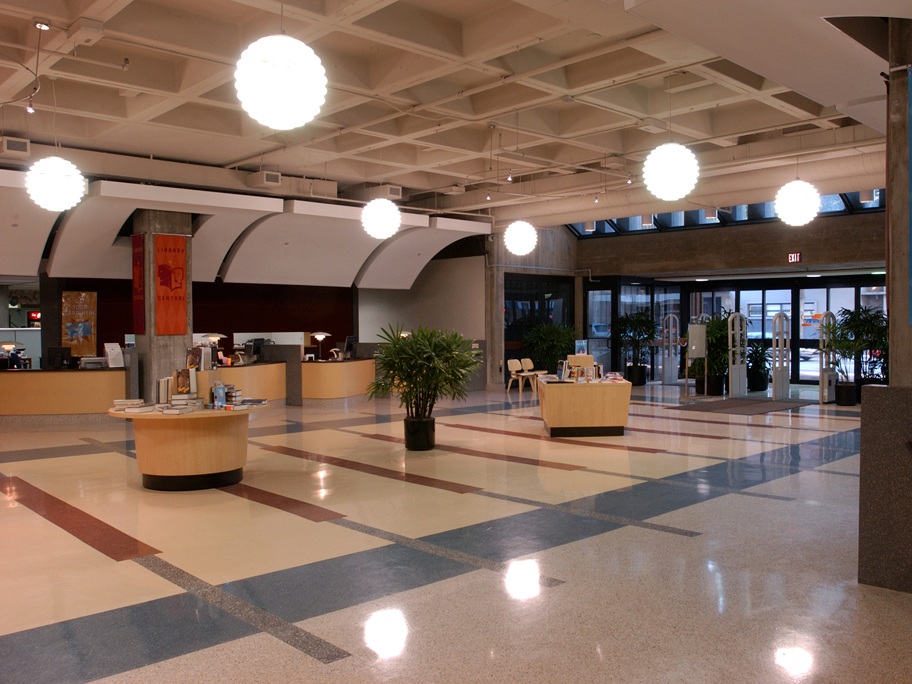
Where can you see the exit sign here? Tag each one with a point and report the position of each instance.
(794, 257)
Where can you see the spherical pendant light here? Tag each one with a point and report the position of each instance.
(381, 218)
(797, 203)
(670, 171)
(520, 238)
(280, 82)
(55, 184)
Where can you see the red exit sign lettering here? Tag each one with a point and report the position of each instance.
(794, 257)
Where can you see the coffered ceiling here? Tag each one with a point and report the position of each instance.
(447, 98)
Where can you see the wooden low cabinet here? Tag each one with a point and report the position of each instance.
(584, 409)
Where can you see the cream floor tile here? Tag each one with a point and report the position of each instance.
(211, 534)
(49, 576)
(411, 510)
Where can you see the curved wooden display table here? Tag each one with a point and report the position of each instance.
(195, 450)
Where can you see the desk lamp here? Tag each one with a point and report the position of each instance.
(320, 336)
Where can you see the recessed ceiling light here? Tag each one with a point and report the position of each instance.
(42, 24)
(813, 275)
(702, 280)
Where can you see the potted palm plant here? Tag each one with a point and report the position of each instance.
(845, 347)
(421, 368)
(637, 330)
(710, 373)
(758, 366)
(548, 343)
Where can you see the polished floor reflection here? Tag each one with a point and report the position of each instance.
(700, 546)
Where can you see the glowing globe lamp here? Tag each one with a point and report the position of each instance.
(380, 218)
(520, 238)
(280, 82)
(670, 171)
(55, 184)
(797, 203)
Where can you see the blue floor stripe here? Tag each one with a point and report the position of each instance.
(319, 588)
(519, 535)
(105, 644)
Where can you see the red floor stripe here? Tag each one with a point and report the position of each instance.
(302, 509)
(371, 469)
(485, 454)
(88, 529)
(558, 440)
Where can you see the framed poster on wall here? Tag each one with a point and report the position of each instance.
(78, 313)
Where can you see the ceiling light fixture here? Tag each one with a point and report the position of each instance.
(596, 198)
(41, 24)
(30, 108)
(510, 176)
(381, 218)
(488, 196)
(520, 238)
(670, 171)
(55, 184)
(797, 203)
(280, 82)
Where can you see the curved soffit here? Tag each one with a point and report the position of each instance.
(25, 229)
(397, 262)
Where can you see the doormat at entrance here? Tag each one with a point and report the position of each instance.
(743, 407)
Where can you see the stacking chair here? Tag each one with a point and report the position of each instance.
(517, 373)
(528, 370)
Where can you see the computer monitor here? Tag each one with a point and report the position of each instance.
(59, 358)
(348, 351)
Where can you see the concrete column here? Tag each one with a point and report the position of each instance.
(161, 355)
(885, 492)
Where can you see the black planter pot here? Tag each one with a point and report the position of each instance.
(699, 386)
(715, 385)
(420, 434)
(636, 375)
(757, 382)
(846, 394)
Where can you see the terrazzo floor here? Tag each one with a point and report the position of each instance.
(697, 547)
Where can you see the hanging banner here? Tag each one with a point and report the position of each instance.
(170, 284)
(139, 300)
(78, 314)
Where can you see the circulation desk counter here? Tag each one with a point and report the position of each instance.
(198, 450)
(59, 392)
(336, 379)
(584, 409)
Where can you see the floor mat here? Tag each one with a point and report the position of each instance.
(743, 407)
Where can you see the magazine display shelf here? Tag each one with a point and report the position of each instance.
(197, 450)
(584, 409)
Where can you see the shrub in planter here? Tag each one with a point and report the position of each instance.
(421, 368)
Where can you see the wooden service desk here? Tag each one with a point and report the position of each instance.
(584, 409)
(336, 379)
(198, 450)
(59, 392)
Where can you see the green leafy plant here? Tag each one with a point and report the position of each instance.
(867, 328)
(423, 367)
(636, 330)
(758, 360)
(548, 343)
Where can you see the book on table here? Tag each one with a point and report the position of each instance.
(145, 408)
(177, 410)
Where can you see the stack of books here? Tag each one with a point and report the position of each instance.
(124, 404)
(233, 395)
